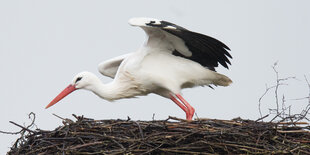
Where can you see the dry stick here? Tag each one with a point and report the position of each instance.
(23, 128)
(259, 136)
(177, 119)
(65, 120)
(84, 145)
(183, 137)
(140, 130)
(278, 114)
(26, 129)
(308, 106)
(181, 151)
(294, 131)
(153, 149)
(262, 118)
(260, 99)
(32, 120)
(12, 133)
(282, 114)
(59, 117)
(303, 115)
(41, 148)
(277, 86)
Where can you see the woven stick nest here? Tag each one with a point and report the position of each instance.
(171, 136)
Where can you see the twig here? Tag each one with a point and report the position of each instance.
(178, 119)
(24, 128)
(140, 130)
(262, 118)
(84, 145)
(282, 112)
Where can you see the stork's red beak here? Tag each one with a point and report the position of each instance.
(61, 95)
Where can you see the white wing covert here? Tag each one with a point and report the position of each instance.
(110, 67)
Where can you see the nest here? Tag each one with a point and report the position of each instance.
(171, 136)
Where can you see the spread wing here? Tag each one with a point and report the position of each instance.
(110, 67)
(205, 50)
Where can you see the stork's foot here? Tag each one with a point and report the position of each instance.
(190, 113)
(185, 106)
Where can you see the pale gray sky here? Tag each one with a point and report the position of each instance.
(43, 44)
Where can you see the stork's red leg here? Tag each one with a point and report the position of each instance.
(178, 103)
(186, 110)
(185, 106)
(190, 109)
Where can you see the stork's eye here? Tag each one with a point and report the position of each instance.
(78, 79)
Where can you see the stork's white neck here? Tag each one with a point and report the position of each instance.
(109, 91)
(116, 89)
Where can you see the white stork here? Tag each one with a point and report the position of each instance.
(172, 58)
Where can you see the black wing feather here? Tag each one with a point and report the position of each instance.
(207, 51)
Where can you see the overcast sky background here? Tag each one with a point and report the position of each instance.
(43, 44)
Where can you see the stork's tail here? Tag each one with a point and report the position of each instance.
(221, 80)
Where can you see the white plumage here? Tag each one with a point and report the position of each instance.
(172, 58)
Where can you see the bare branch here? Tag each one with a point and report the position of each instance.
(31, 116)
(282, 112)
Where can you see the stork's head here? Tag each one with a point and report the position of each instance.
(142, 21)
(83, 80)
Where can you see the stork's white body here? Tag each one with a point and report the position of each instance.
(147, 71)
(172, 58)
